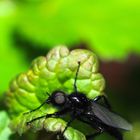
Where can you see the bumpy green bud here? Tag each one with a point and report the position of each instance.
(56, 71)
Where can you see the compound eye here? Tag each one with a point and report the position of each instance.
(59, 98)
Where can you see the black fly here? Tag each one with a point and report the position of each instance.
(86, 110)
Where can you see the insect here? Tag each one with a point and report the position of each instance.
(79, 107)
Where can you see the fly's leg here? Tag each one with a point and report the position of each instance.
(35, 108)
(100, 130)
(60, 136)
(96, 99)
(114, 132)
(68, 124)
(95, 124)
(54, 115)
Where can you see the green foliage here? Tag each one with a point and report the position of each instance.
(4, 129)
(110, 28)
(11, 59)
(56, 71)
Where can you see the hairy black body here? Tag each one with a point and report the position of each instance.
(79, 107)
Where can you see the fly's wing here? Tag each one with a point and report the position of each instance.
(110, 118)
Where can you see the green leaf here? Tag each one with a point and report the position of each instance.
(56, 71)
(12, 59)
(5, 131)
(110, 28)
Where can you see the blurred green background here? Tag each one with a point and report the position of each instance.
(111, 29)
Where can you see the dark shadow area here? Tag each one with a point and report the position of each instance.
(123, 86)
(30, 49)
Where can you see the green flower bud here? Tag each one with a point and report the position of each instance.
(56, 71)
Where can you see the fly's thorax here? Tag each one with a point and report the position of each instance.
(78, 100)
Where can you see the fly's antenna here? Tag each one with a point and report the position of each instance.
(75, 80)
(48, 94)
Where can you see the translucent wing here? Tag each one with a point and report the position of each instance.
(110, 118)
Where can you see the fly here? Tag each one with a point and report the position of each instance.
(79, 107)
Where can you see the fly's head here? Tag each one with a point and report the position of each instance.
(58, 99)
